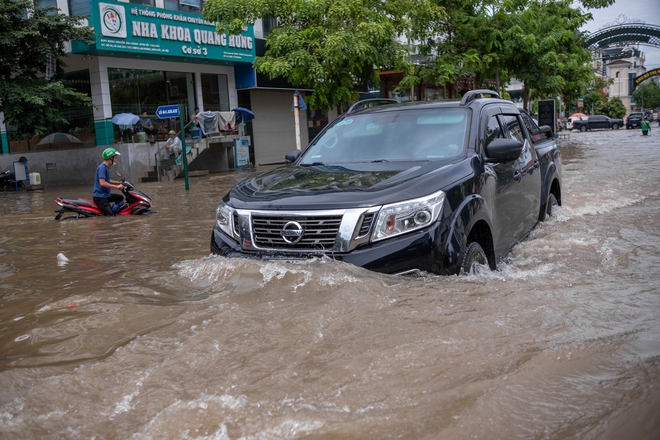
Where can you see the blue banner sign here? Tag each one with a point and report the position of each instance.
(167, 111)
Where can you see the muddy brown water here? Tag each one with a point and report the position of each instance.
(142, 334)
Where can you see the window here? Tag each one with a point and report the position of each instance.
(45, 3)
(215, 92)
(515, 130)
(493, 130)
(190, 6)
(135, 91)
(268, 24)
(532, 128)
(79, 7)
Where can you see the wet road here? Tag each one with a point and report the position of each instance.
(142, 335)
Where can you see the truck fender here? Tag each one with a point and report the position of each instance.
(471, 211)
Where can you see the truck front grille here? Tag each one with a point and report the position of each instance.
(319, 232)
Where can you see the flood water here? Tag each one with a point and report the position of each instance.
(142, 334)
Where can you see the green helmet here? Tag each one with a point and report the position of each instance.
(110, 152)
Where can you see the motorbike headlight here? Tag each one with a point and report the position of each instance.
(223, 218)
(410, 215)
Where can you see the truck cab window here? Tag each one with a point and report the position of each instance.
(514, 128)
(493, 130)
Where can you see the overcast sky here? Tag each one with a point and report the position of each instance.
(647, 11)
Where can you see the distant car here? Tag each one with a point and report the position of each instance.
(634, 120)
(596, 122)
(571, 119)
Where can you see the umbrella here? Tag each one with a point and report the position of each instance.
(578, 116)
(125, 119)
(243, 114)
(59, 138)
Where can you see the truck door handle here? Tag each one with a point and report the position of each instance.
(517, 176)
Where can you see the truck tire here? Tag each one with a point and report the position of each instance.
(473, 256)
(551, 207)
(583, 128)
(615, 126)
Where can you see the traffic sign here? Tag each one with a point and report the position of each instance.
(167, 111)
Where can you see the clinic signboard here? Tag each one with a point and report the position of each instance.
(125, 28)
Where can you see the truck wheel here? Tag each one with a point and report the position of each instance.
(615, 126)
(583, 128)
(473, 256)
(551, 206)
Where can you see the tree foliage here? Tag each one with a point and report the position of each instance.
(647, 95)
(596, 94)
(28, 36)
(613, 108)
(331, 46)
(545, 50)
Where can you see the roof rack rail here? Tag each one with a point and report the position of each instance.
(474, 94)
(371, 102)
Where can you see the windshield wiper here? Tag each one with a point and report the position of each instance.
(313, 164)
(379, 160)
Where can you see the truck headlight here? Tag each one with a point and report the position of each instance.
(402, 217)
(223, 218)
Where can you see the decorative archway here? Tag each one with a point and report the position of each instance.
(626, 32)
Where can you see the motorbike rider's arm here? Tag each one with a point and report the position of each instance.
(111, 184)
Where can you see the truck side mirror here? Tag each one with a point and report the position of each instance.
(503, 150)
(547, 130)
(292, 156)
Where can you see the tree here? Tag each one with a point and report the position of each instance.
(546, 50)
(596, 95)
(647, 95)
(331, 46)
(613, 108)
(450, 41)
(29, 36)
(539, 43)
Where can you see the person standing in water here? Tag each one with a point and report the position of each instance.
(646, 126)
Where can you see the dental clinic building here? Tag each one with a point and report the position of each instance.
(151, 53)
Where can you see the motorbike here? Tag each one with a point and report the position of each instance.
(136, 203)
(7, 179)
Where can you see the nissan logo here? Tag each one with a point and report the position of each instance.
(292, 232)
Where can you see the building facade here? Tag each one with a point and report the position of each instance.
(152, 53)
(621, 65)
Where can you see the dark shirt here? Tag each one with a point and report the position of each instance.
(102, 171)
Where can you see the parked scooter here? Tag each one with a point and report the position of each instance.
(7, 179)
(136, 203)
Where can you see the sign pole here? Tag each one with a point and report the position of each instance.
(296, 119)
(183, 148)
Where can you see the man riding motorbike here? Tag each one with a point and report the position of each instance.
(102, 183)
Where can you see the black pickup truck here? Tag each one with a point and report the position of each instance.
(597, 122)
(441, 187)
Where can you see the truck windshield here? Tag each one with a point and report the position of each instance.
(391, 135)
